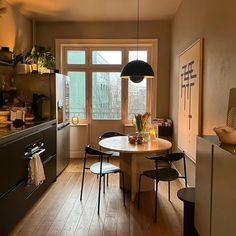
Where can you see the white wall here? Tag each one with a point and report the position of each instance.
(47, 32)
(214, 21)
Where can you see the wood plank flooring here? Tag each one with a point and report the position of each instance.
(60, 212)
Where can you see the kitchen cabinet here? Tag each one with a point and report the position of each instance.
(215, 208)
(16, 197)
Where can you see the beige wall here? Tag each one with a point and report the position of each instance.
(214, 21)
(15, 31)
(48, 32)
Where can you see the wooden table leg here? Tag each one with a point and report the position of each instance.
(133, 165)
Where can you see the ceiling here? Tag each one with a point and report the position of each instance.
(96, 10)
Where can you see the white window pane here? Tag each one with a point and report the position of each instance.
(106, 98)
(77, 94)
(136, 98)
(75, 57)
(141, 55)
(107, 57)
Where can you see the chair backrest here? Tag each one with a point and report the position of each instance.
(92, 151)
(170, 157)
(111, 134)
(175, 156)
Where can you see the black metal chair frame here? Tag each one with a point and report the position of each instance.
(110, 134)
(94, 152)
(160, 172)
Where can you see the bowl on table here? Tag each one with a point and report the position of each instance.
(135, 138)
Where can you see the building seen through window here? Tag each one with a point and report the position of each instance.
(102, 75)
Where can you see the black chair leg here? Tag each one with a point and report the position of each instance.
(139, 186)
(169, 191)
(107, 174)
(99, 193)
(82, 185)
(155, 220)
(123, 181)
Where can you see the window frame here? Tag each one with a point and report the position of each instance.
(124, 45)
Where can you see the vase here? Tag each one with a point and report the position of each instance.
(144, 135)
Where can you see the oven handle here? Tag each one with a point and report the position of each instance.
(30, 157)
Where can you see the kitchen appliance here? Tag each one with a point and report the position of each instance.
(63, 122)
(39, 101)
(49, 94)
(6, 55)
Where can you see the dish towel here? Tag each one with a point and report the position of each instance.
(36, 174)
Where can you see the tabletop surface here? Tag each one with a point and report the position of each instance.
(187, 195)
(121, 144)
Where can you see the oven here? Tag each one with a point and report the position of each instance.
(35, 148)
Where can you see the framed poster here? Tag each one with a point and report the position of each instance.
(190, 96)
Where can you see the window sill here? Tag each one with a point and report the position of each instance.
(78, 125)
(128, 125)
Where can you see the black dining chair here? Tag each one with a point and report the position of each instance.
(160, 173)
(110, 134)
(100, 168)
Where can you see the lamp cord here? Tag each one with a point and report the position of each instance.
(137, 28)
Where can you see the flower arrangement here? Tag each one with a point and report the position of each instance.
(142, 121)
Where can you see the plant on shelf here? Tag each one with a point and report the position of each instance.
(18, 58)
(41, 57)
(20, 65)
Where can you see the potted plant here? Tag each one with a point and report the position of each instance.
(40, 58)
(19, 64)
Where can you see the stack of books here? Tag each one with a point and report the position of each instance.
(166, 122)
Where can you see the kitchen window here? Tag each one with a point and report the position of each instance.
(96, 90)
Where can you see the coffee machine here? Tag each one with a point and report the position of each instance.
(39, 106)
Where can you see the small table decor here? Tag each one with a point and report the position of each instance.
(138, 137)
(142, 122)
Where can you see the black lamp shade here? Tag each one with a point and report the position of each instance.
(136, 71)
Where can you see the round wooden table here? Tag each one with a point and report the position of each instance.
(133, 161)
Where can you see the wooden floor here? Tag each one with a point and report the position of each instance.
(60, 212)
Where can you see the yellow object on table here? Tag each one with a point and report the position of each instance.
(153, 132)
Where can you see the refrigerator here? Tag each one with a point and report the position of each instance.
(63, 121)
(49, 96)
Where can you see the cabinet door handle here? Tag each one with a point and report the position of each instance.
(30, 157)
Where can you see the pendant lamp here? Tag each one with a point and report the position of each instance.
(137, 70)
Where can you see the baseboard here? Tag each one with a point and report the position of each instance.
(77, 154)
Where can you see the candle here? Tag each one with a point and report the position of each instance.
(75, 120)
(152, 133)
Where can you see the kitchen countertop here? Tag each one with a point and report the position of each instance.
(215, 140)
(9, 132)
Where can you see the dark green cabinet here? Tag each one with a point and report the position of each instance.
(16, 197)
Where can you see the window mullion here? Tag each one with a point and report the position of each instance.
(89, 68)
(89, 95)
